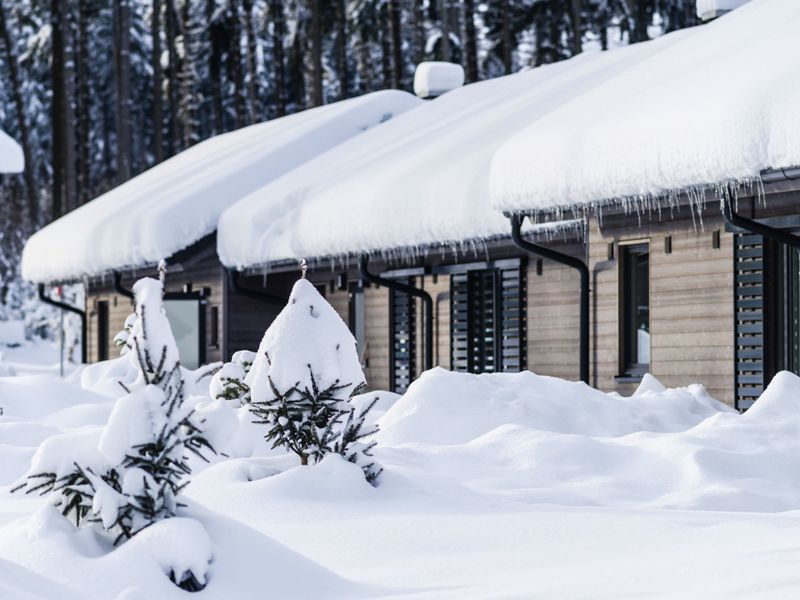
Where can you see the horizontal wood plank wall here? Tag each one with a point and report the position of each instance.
(553, 322)
(691, 306)
(376, 355)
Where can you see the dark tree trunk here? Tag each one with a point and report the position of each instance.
(341, 50)
(122, 87)
(640, 21)
(577, 27)
(29, 175)
(172, 77)
(398, 68)
(278, 55)
(419, 32)
(235, 70)
(444, 20)
(84, 105)
(254, 106)
(215, 68)
(188, 79)
(470, 42)
(63, 124)
(386, 50)
(155, 59)
(507, 42)
(315, 56)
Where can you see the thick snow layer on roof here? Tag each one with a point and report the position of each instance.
(699, 107)
(176, 203)
(420, 180)
(11, 160)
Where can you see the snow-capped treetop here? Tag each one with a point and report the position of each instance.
(176, 203)
(11, 159)
(420, 180)
(154, 352)
(308, 336)
(695, 108)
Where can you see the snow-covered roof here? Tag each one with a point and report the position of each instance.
(692, 109)
(11, 160)
(420, 180)
(178, 202)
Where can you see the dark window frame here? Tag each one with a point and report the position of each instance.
(399, 337)
(631, 307)
(103, 326)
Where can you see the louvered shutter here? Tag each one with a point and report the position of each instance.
(749, 288)
(402, 309)
(487, 320)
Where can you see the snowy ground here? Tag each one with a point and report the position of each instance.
(501, 486)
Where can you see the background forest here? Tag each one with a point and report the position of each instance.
(97, 91)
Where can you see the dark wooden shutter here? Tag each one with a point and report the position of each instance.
(749, 307)
(487, 320)
(513, 315)
(402, 310)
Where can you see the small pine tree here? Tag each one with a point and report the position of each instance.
(228, 382)
(123, 337)
(143, 448)
(304, 375)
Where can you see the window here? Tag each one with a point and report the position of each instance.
(102, 330)
(187, 320)
(214, 337)
(487, 319)
(635, 309)
(402, 343)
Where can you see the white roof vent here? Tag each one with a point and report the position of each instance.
(711, 9)
(435, 78)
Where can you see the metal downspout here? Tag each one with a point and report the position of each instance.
(64, 306)
(777, 235)
(411, 291)
(118, 286)
(569, 261)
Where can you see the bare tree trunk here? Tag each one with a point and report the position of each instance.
(235, 64)
(84, 105)
(577, 45)
(398, 70)
(29, 175)
(419, 32)
(315, 55)
(155, 59)
(444, 19)
(470, 42)
(215, 69)
(254, 106)
(341, 50)
(505, 15)
(63, 125)
(386, 50)
(172, 77)
(188, 77)
(278, 55)
(122, 87)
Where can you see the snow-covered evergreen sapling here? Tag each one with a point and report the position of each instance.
(123, 337)
(351, 443)
(306, 370)
(228, 382)
(143, 449)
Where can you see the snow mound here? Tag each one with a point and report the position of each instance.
(473, 405)
(434, 78)
(780, 401)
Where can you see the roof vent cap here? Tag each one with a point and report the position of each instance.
(434, 78)
(711, 9)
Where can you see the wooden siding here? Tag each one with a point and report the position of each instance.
(691, 306)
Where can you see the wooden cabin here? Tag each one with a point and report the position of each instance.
(170, 213)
